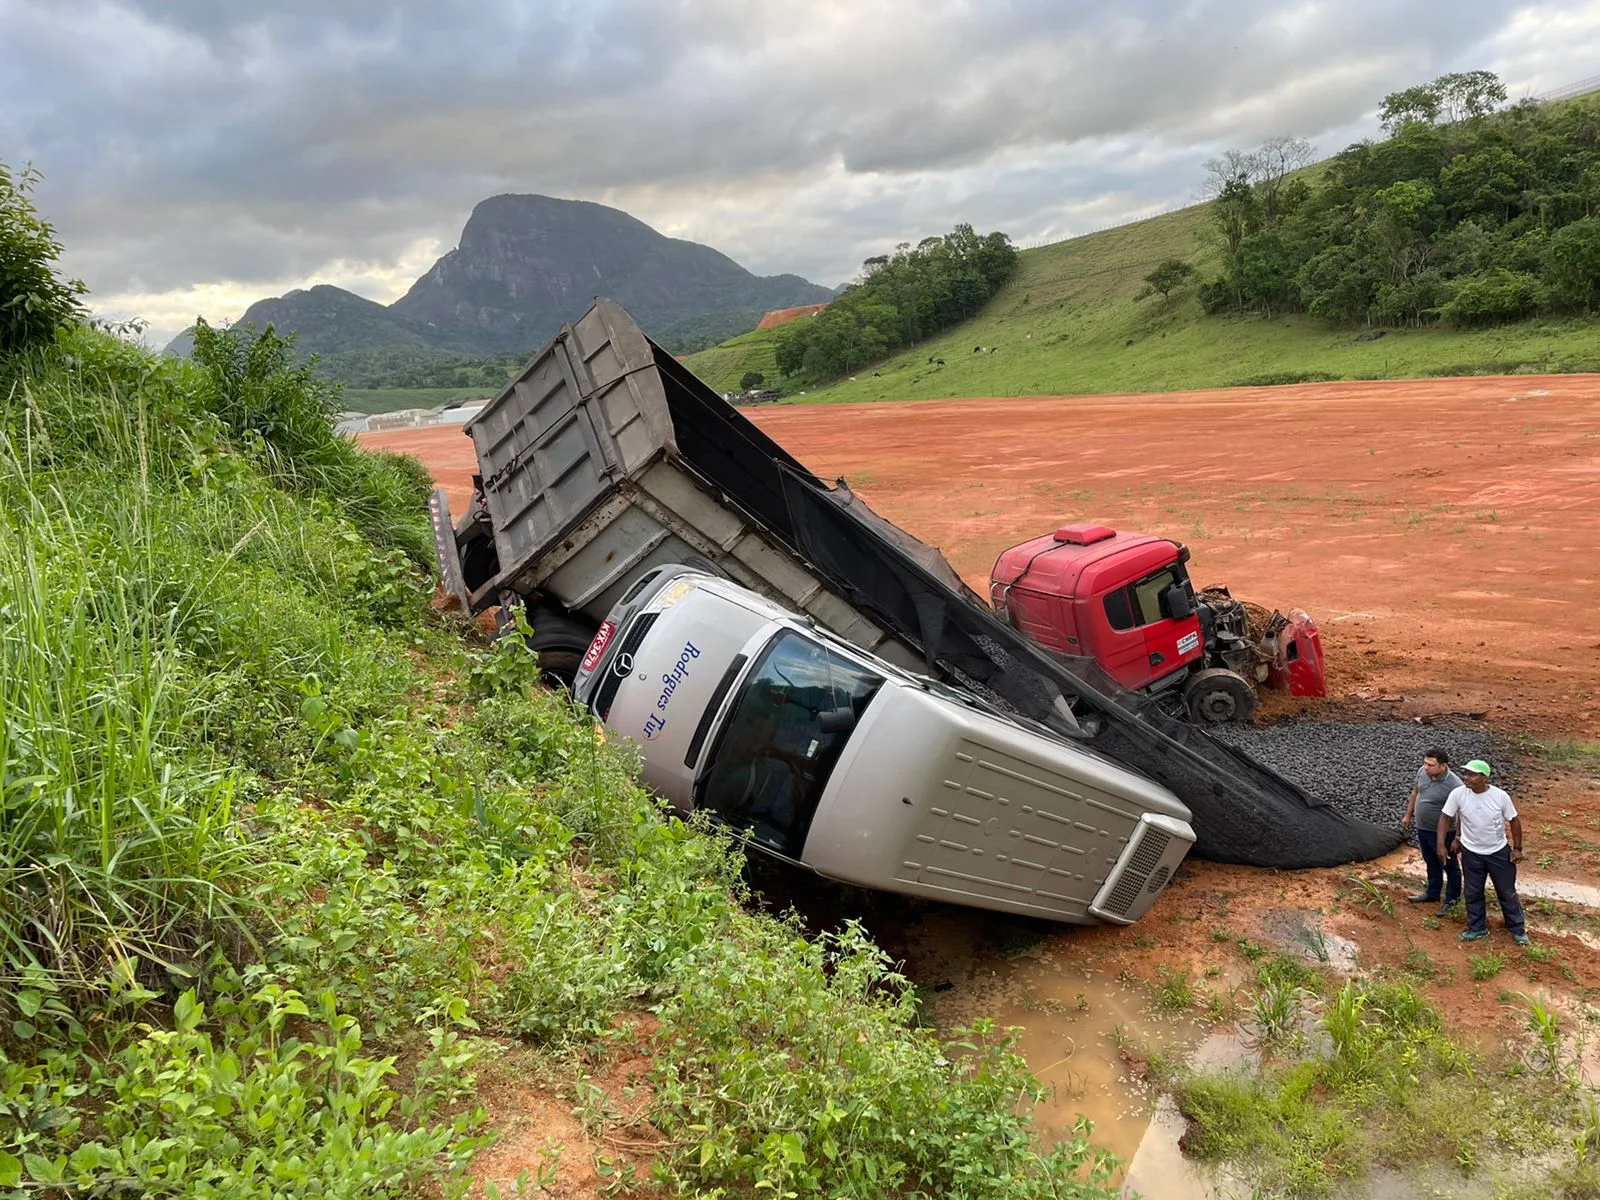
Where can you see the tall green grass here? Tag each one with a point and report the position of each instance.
(115, 845)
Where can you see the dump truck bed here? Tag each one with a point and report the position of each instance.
(604, 458)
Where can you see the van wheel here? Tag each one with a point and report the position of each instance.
(560, 642)
(1217, 697)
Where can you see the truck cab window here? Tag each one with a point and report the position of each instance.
(1119, 609)
(1147, 596)
(1140, 603)
(771, 761)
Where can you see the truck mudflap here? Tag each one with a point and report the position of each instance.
(444, 542)
(1145, 868)
(1242, 811)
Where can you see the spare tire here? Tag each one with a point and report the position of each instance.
(1217, 696)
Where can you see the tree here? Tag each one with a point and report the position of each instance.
(751, 379)
(1275, 161)
(1572, 265)
(1169, 275)
(1228, 169)
(34, 300)
(1467, 95)
(1458, 96)
(1420, 103)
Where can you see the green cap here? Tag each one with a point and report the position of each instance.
(1478, 767)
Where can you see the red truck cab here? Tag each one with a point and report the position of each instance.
(1123, 599)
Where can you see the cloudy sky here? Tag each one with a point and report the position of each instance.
(200, 154)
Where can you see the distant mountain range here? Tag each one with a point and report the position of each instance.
(524, 265)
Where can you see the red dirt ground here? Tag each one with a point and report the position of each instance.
(782, 316)
(1444, 533)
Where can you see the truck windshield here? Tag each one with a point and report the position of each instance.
(772, 758)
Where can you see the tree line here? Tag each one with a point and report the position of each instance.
(1467, 213)
(899, 299)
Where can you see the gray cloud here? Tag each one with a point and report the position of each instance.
(189, 142)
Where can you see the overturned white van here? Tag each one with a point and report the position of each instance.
(833, 759)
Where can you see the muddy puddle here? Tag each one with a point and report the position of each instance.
(1085, 1037)
(1530, 887)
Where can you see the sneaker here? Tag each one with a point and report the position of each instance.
(1446, 908)
(1521, 939)
(1421, 898)
(1472, 935)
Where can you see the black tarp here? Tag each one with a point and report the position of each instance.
(1243, 813)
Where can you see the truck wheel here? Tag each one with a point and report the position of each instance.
(1217, 696)
(560, 642)
(701, 563)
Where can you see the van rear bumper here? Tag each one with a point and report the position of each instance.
(1153, 853)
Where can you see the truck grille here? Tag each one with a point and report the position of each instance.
(1141, 872)
(626, 649)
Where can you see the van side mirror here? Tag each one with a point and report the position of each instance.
(1176, 601)
(837, 720)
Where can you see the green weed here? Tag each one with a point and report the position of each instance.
(1486, 965)
(1545, 1025)
(1175, 988)
(1372, 895)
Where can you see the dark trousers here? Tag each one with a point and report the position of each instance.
(1475, 868)
(1444, 875)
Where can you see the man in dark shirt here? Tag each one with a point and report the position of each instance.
(1434, 783)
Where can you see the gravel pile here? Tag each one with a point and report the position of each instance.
(1364, 770)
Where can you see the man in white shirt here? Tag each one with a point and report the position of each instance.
(1481, 813)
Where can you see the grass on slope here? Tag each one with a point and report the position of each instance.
(724, 366)
(1068, 324)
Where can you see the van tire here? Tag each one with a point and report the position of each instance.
(1219, 697)
(560, 641)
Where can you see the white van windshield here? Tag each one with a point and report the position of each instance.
(772, 760)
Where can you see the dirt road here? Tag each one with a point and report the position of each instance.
(1444, 533)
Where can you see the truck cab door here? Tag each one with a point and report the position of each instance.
(1135, 638)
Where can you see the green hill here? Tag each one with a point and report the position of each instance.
(725, 365)
(1067, 324)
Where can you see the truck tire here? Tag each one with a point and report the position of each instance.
(560, 642)
(701, 563)
(1217, 696)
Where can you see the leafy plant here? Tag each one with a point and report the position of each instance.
(1486, 965)
(1545, 1024)
(1373, 895)
(34, 300)
(1175, 988)
(1275, 1011)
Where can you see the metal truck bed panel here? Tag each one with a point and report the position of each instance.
(598, 462)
